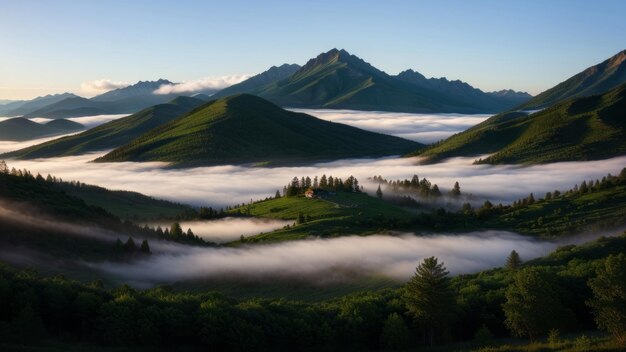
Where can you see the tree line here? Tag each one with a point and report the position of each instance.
(555, 295)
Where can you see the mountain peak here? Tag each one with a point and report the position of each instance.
(616, 60)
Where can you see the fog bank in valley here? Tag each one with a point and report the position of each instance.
(423, 128)
(228, 229)
(229, 184)
(340, 259)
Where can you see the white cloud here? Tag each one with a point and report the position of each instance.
(423, 128)
(213, 83)
(341, 259)
(228, 229)
(100, 86)
(229, 184)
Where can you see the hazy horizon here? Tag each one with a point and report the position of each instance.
(89, 48)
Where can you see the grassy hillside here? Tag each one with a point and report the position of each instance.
(21, 129)
(111, 134)
(125, 204)
(578, 129)
(247, 129)
(600, 207)
(594, 80)
(345, 213)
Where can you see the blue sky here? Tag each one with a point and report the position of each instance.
(54, 46)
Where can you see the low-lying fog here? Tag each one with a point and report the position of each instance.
(340, 259)
(423, 128)
(228, 229)
(227, 185)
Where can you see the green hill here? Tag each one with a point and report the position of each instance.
(247, 129)
(111, 134)
(345, 213)
(21, 129)
(594, 80)
(579, 129)
(338, 80)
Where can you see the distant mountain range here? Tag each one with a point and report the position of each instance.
(18, 108)
(21, 129)
(245, 129)
(594, 80)
(119, 101)
(335, 79)
(584, 128)
(338, 80)
(112, 134)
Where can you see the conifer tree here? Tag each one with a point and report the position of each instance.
(429, 297)
(513, 261)
(145, 247)
(379, 192)
(456, 190)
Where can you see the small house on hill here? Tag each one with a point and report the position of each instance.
(318, 193)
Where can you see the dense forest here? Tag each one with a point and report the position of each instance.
(553, 300)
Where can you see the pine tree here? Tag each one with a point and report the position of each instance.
(456, 190)
(176, 231)
(4, 169)
(130, 247)
(379, 192)
(435, 192)
(145, 247)
(513, 261)
(429, 298)
(277, 195)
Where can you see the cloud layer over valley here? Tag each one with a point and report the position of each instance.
(321, 261)
(227, 185)
(423, 128)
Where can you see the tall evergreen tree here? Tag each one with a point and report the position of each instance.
(456, 190)
(513, 262)
(429, 298)
(130, 247)
(609, 296)
(379, 192)
(145, 247)
(176, 231)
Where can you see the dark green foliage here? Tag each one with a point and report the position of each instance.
(534, 305)
(124, 317)
(609, 296)
(421, 188)
(246, 129)
(429, 298)
(111, 134)
(580, 129)
(395, 335)
(513, 262)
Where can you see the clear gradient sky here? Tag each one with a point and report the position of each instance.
(54, 46)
